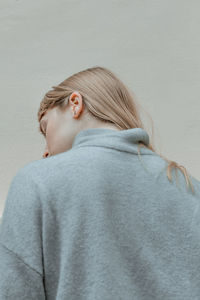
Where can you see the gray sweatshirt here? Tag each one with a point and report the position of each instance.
(99, 222)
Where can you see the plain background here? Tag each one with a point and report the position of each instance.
(153, 46)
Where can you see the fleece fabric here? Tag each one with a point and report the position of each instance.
(101, 222)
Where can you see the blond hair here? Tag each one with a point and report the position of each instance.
(107, 98)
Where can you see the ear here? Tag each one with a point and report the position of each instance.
(76, 104)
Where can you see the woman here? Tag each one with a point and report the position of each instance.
(100, 217)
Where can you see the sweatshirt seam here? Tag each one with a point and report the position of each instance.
(21, 259)
(76, 147)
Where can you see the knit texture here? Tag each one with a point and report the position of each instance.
(100, 222)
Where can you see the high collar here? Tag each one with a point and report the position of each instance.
(122, 140)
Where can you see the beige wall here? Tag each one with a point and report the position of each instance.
(153, 46)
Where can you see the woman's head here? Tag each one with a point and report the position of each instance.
(94, 97)
(60, 126)
(100, 100)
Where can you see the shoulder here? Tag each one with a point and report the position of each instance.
(44, 173)
(36, 169)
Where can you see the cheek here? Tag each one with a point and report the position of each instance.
(51, 129)
(50, 134)
(55, 137)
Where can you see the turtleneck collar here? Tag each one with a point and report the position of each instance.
(122, 140)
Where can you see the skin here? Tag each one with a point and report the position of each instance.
(61, 126)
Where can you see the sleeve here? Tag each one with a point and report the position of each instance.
(21, 261)
(18, 281)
